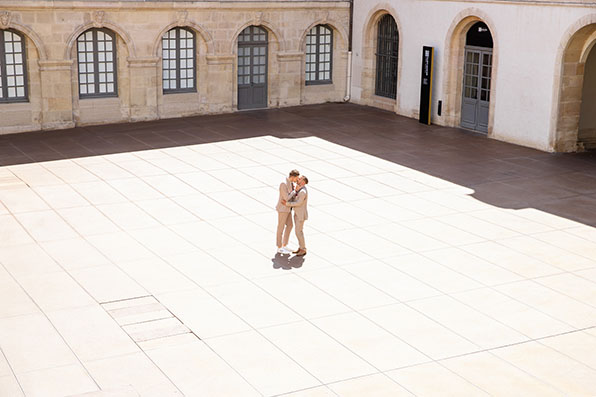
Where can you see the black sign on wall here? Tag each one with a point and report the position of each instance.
(426, 84)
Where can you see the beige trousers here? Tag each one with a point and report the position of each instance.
(284, 221)
(300, 233)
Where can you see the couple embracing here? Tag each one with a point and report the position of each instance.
(293, 197)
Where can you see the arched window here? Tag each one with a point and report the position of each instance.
(178, 64)
(13, 68)
(387, 48)
(319, 55)
(96, 54)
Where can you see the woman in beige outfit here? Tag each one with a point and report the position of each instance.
(300, 204)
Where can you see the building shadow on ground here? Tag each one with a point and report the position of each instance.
(498, 173)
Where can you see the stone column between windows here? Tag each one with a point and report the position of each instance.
(222, 82)
(143, 88)
(290, 77)
(56, 93)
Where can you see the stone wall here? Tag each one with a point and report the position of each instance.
(51, 30)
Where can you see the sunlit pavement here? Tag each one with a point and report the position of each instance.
(139, 259)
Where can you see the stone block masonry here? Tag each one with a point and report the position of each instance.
(50, 31)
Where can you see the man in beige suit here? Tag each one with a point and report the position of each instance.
(284, 212)
(299, 202)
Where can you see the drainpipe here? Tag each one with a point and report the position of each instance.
(349, 78)
(349, 75)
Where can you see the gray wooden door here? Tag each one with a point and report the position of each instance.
(476, 88)
(252, 68)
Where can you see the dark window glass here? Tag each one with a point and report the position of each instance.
(96, 49)
(479, 36)
(252, 34)
(13, 68)
(319, 54)
(387, 49)
(178, 61)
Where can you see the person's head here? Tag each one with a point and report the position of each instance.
(294, 174)
(302, 180)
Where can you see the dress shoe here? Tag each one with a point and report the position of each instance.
(297, 251)
(301, 253)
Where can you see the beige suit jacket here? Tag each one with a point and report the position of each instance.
(300, 205)
(285, 192)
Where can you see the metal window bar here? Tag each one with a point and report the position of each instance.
(13, 67)
(96, 57)
(387, 53)
(319, 55)
(179, 61)
(253, 35)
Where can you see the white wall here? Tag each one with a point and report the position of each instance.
(527, 38)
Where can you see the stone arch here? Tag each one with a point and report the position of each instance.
(374, 15)
(369, 43)
(30, 33)
(201, 31)
(273, 31)
(454, 63)
(576, 44)
(336, 26)
(590, 43)
(104, 24)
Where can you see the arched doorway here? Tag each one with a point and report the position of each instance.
(576, 115)
(586, 136)
(252, 68)
(386, 58)
(478, 58)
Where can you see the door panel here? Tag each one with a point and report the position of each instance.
(252, 68)
(476, 89)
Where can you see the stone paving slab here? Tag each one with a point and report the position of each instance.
(139, 260)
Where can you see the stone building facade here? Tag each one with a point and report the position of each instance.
(519, 71)
(532, 82)
(54, 35)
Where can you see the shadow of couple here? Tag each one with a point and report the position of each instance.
(287, 262)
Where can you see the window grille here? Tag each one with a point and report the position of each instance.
(97, 64)
(252, 56)
(387, 49)
(319, 55)
(13, 68)
(178, 61)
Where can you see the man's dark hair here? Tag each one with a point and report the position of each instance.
(305, 179)
(294, 173)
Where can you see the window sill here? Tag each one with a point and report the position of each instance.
(16, 100)
(98, 96)
(380, 98)
(319, 82)
(168, 92)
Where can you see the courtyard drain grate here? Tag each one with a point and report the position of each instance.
(144, 318)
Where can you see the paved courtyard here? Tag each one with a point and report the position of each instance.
(139, 260)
